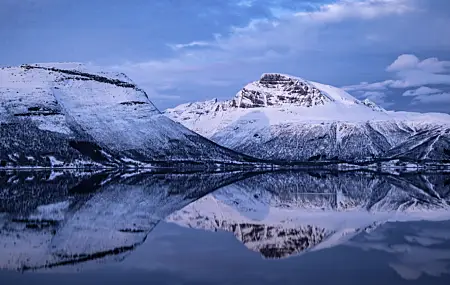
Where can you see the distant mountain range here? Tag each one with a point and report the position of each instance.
(286, 118)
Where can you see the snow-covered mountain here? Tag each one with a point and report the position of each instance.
(281, 214)
(65, 114)
(281, 117)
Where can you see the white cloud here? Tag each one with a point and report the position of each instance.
(363, 86)
(188, 45)
(245, 3)
(434, 65)
(299, 31)
(407, 62)
(434, 98)
(410, 72)
(373, 94)
(414, 78)
(404, 62)
(377, 97)
(423, 90)
(427, 95)
(348, 9)
(330, 31)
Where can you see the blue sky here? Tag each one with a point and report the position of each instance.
(394, 52)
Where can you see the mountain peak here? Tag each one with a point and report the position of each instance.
(271, 77)
(274, 89)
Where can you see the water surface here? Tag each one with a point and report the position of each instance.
(224, 228)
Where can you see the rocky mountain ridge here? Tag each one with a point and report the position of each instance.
(285, 118)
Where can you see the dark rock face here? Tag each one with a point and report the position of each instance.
(278, 90)
(256, 99)
(82, 76)
(21, 144)
(285, 241)
(428, 144)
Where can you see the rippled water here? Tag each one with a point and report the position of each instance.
(224, 228)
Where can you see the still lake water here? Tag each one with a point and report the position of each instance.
(311, 227)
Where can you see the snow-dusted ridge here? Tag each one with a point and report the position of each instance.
(71, 115)
(282, 117)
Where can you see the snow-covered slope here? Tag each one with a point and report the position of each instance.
(282, 117)
(281, 214)
(66, 115)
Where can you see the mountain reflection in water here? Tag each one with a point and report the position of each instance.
(60, 219)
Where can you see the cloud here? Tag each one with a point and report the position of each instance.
(374, 96)
(404, 62)
(377, 97)
(407, 62)
(409, 72)
(188, 45)
(424, 90)
(367, 10)
(414, 78)
(434, 98)
(261, 41)
(412, 72)
(297, 31)
(289, 31)
(245, 3)
(308, 42)
(383, 85)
